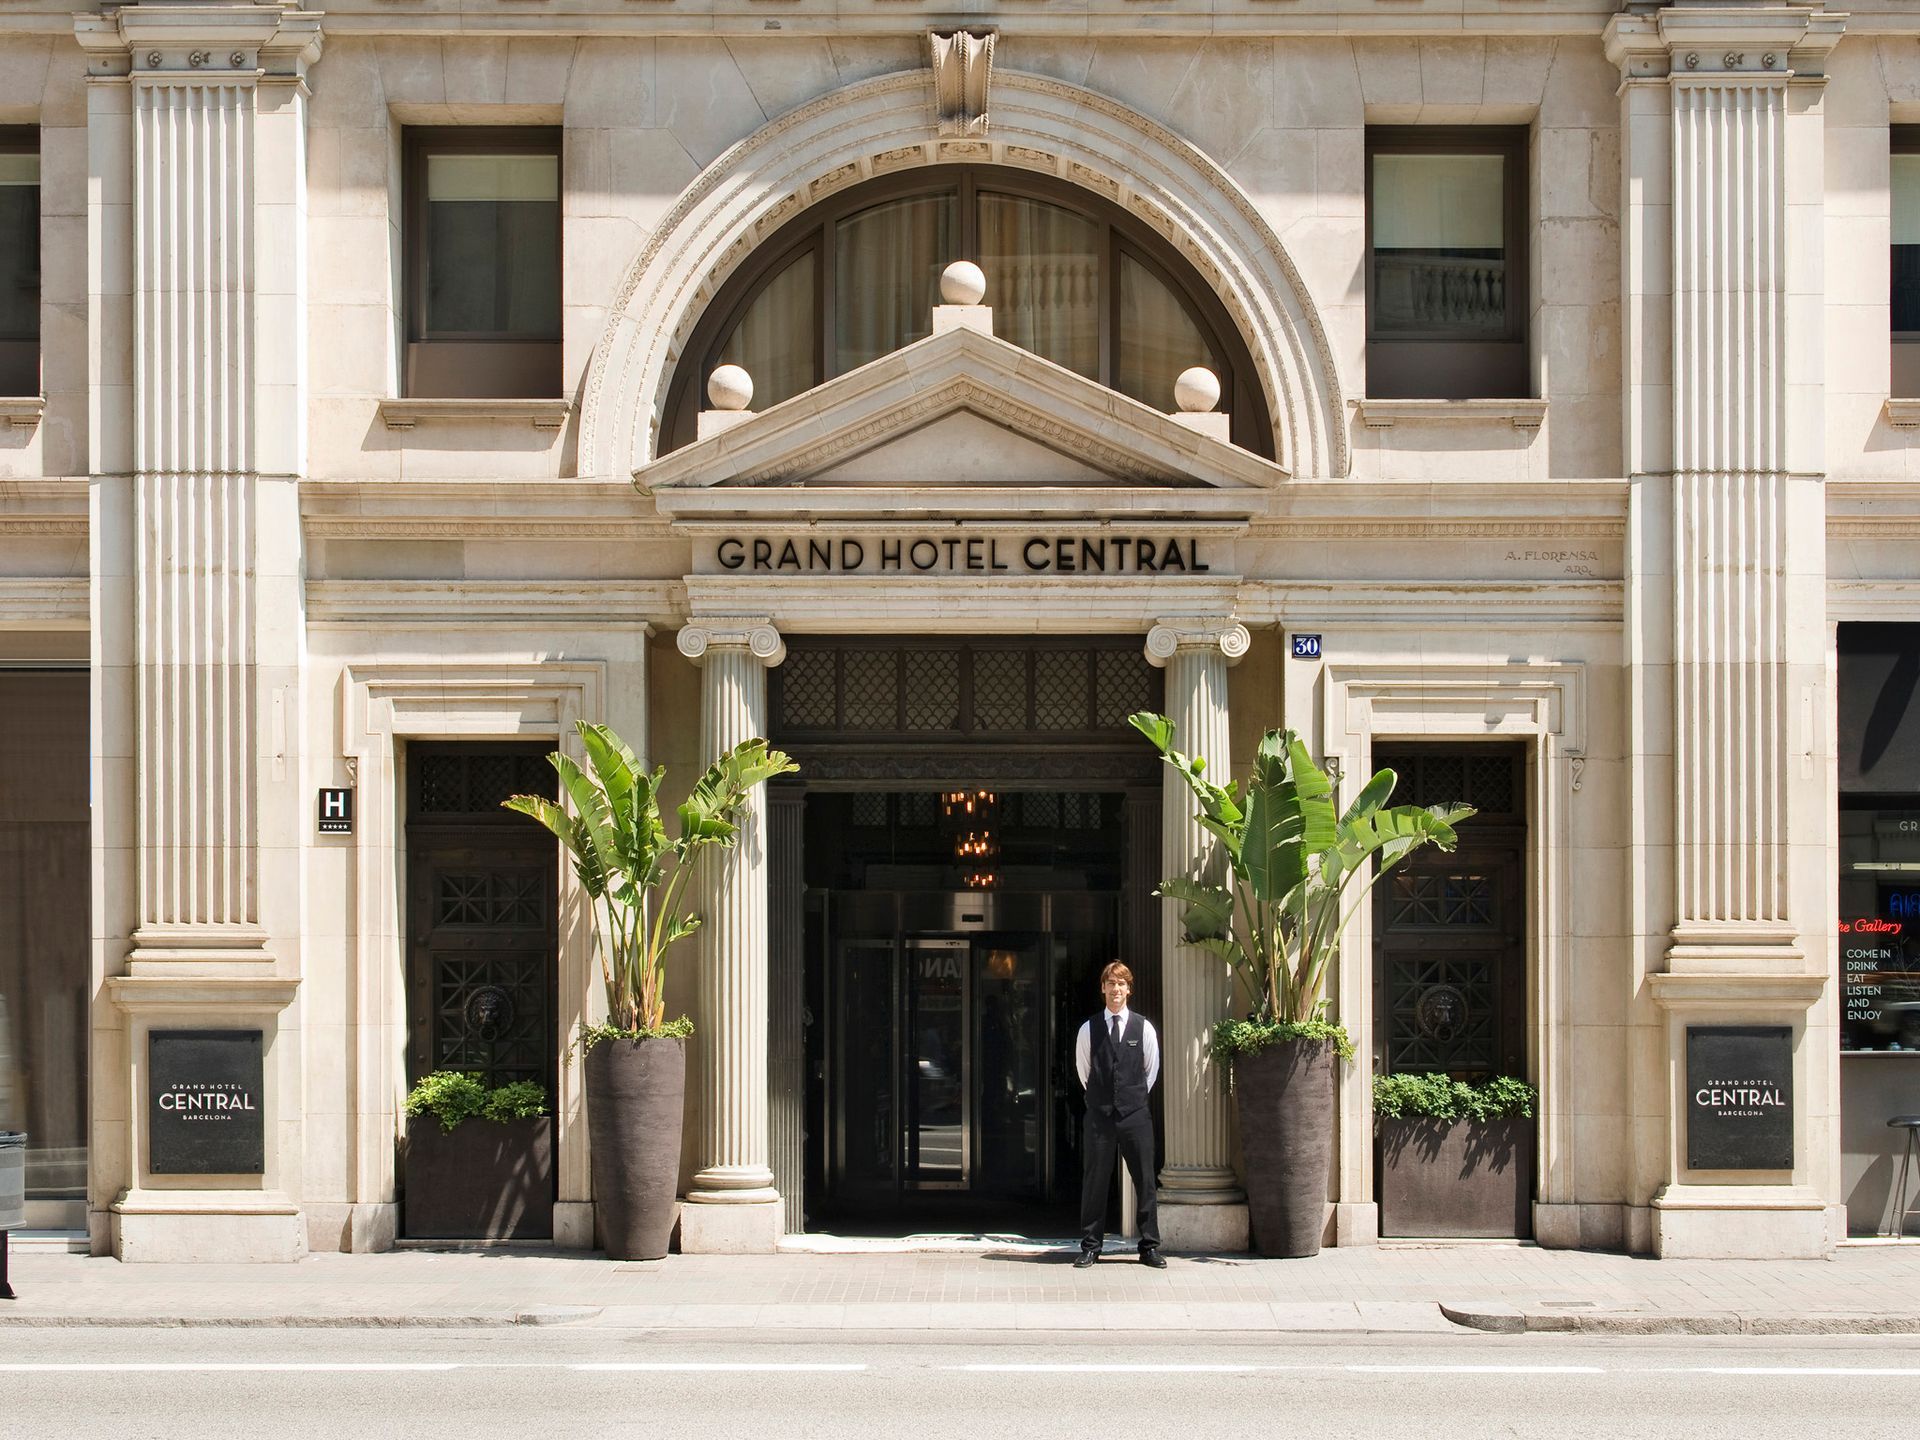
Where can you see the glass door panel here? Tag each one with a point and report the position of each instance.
(937, 1069)
(866, 1115)
(1010, 1019)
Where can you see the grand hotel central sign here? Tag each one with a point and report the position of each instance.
(1109, 552)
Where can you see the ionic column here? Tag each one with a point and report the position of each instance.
(732, 1203)
(1722, 114)
(197, 158)
(1203, 1206)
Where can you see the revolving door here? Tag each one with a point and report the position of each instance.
(951, 1095)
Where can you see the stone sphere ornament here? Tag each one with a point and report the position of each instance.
(963, 283)
(1196, 390)
(730, 388)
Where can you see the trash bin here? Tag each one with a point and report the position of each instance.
(13, 1195)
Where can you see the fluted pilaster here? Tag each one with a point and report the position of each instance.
(730, 1049)
(1195, 988)
(1722, 118)
(215, 129)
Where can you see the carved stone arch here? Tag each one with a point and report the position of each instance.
(887, 124)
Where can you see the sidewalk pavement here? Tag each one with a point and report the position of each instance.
(995, 1287)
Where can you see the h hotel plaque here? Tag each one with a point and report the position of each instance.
(1739, 1097)
(205, 1111)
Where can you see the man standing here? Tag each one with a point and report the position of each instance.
(1118, 1057)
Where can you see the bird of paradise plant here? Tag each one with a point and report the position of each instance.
(633, 874)
(1297, 875)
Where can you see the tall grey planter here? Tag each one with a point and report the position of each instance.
(1284, 1096)
(636, 1101)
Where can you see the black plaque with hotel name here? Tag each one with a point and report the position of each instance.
(206, 1114)
(1739, 1097)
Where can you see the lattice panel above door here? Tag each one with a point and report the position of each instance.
(850, 693)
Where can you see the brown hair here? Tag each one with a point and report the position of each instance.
(1116, 971)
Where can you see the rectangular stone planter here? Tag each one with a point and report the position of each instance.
(482, 1180)
(1455, 1179)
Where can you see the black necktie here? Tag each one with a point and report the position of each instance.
(1113, 1030)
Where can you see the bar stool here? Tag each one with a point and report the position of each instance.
(1910, 1124)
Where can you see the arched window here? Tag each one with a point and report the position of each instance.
(1069, 277)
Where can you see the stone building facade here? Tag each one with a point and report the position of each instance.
(294, 520)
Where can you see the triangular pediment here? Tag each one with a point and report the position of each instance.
(956, 412)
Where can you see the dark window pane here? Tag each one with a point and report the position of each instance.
(1158, 337)
(1439, 245)
(493, 245)
(886, 275)
(1042, 264)
(44, 984)
(774, 341)
(19, 246)
(1906, 243)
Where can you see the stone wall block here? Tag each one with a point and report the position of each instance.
(784, 73)
(702, 97)
(1389, 74)
(1453, 72)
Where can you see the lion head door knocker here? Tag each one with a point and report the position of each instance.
(1441, 1013)
(489, 1013)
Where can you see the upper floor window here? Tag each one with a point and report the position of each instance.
(1904, 299)
(1069, 277)
(1446, 263)
(483, 263)
(19, 261)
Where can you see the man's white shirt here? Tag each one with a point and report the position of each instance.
(1149, 1042)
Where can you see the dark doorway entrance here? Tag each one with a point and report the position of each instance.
(949, 1093)
(481, 934)
(1450, 967)
(979, 835)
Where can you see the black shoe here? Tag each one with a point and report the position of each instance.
(1152, 1259)
(1086, 1258)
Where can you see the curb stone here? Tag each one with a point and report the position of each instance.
(1511, 1320)
(542, 1315)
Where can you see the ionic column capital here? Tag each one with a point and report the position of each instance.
(1173, 634)
(755, 634)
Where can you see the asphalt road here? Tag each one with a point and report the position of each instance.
(580, 1383)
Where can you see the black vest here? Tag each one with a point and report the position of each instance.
(1116, 1082)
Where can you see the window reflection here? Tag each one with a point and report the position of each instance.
(1043, 275)
(886, 281)
(1158, 338)
(774, 341)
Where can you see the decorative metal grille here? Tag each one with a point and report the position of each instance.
(1488, 780)
(1432, 898)
(1490, 783)
(1080, 810)
(498, 897)
(490, 1014)
(872, 700)
(1060, 692)
(1442, 1008)
(1123, 685)
(919, 810)
(807, 681)
(1000, 690)
(933, 689)
(1040, 809)
(474, 783)
(844, 693)
(868, 810)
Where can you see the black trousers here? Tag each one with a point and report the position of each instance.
(1132, 1140)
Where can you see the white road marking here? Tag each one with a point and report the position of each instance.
(1842, 1370)
(1475, 1369)
(1118, 1369)
(132, 1367)
(745, 1366)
